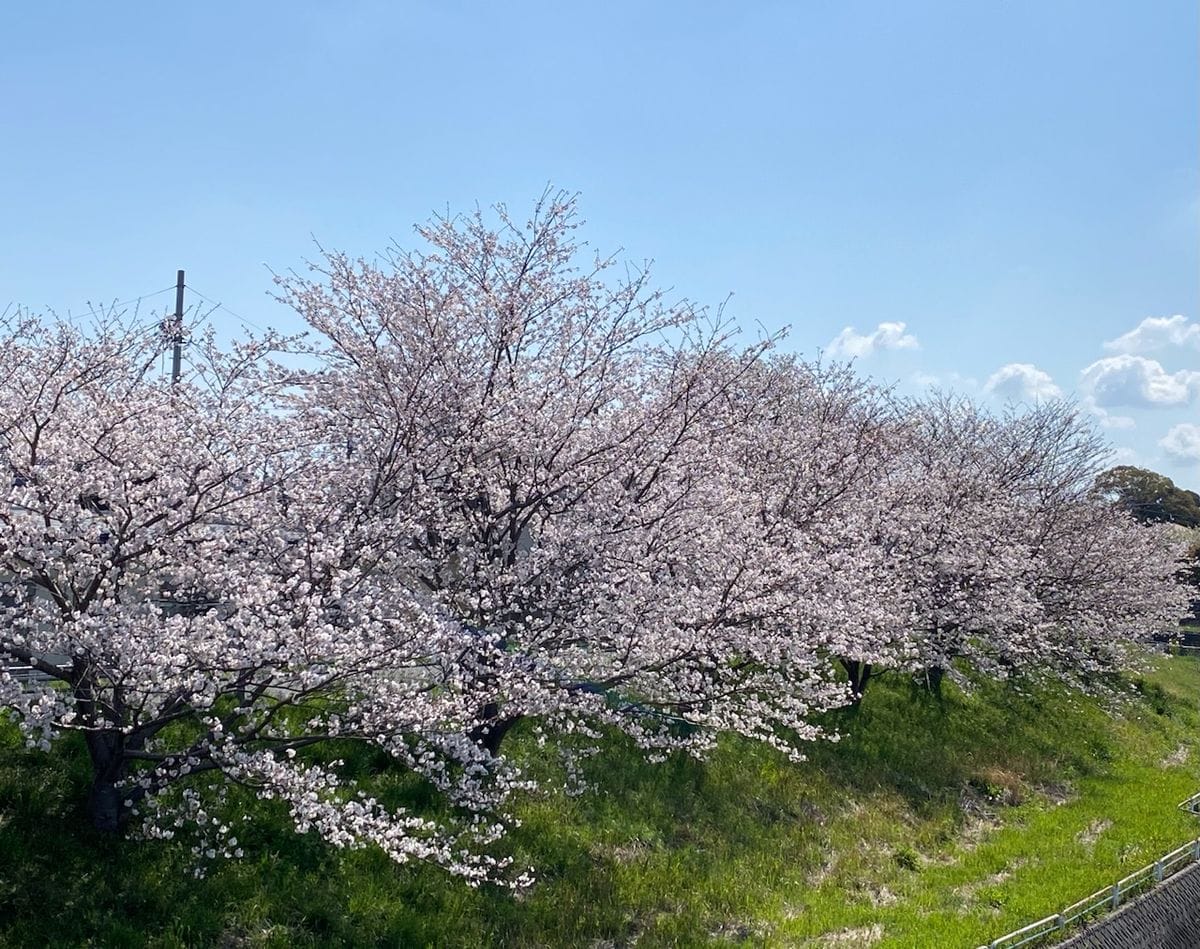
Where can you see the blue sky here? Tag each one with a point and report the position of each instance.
(1017, 183)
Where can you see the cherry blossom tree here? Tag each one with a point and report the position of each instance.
(550, 430)
(816, 444)
(1105, 583)
(1006, 557)
(206, 595)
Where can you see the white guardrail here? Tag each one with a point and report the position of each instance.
(1108, 899)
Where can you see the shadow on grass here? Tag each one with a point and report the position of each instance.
(927, 748)
(676, 853)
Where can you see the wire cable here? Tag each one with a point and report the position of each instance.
(216, 304)
(95, 310)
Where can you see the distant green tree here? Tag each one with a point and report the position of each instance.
(1149, 496)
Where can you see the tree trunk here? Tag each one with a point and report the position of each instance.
(491, 728)
(859, 673)
(105, 807)
(934, 676)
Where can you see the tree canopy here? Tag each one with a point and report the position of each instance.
(1150, 497)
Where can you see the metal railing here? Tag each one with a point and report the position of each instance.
(27, 675)
(1110, 897)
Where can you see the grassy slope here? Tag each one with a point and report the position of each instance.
(927, 825)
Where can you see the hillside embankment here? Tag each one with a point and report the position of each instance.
(931, 822)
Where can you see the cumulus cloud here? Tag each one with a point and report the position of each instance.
(1182, 443)
(1138, 381)
(948, 382)
(1157, 332)
(1122, 455)
(1106, 418)
(851, 343)
(1022, 382)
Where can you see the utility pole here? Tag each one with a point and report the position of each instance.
(177, 330)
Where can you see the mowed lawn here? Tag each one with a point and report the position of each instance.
(931, 822)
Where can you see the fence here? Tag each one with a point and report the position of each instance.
(29, 676)
(1111, 897)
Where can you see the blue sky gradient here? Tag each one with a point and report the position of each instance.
(1015, 182)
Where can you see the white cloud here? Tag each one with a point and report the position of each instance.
(1022, 382)
(850, 343)
(1122, 455)
(1182, 443)
(1157, 332)
(947, 382)
(1104, 417)
(1137, 381)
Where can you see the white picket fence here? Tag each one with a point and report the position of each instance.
(1111, 897)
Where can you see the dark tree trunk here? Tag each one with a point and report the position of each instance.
(934, 676)
(491, 728)
(859, 674)
(105, 807)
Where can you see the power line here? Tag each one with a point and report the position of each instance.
(94, 311)
(100, 310)
(221, 306)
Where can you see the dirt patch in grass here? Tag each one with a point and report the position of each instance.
(1177, 758)
(852, 938)
(1057, 792)
(1090, 834)
(735, 930)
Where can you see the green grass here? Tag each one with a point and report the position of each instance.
(930, 823)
